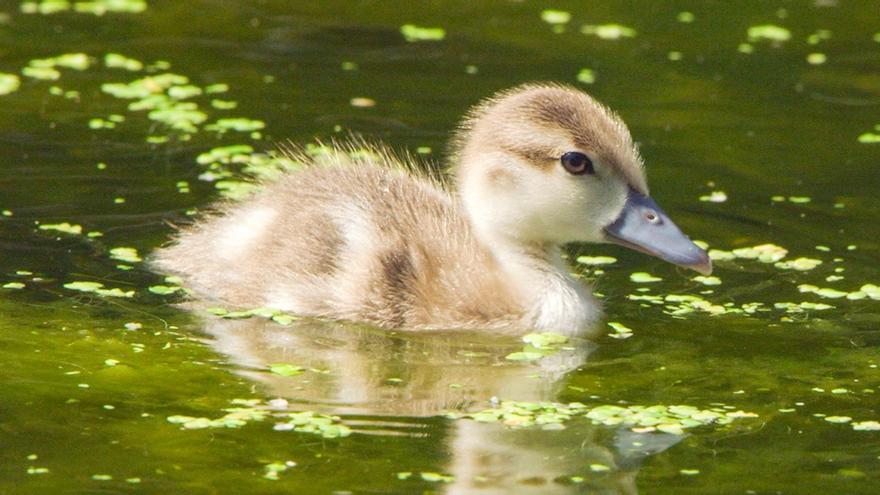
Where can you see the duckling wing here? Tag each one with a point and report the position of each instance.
(367, 240)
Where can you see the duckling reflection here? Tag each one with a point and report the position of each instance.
(373, 372)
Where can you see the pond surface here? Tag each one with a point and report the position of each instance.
(748, 141)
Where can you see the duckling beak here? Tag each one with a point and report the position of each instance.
(643, 226)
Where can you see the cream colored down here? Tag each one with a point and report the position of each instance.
(373, 239)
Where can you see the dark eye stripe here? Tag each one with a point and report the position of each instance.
(577, 163)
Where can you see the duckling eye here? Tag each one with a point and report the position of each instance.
(577, 163)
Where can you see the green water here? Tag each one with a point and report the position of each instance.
(88, 381)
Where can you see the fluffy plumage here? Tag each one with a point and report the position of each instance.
(372, 239)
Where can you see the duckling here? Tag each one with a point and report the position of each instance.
(369, 238)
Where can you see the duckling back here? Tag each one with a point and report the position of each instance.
(368, 239)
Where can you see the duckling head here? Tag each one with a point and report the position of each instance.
(543, 164)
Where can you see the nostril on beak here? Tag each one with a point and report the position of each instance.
(651, 216)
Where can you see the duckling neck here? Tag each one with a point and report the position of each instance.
(553, 299)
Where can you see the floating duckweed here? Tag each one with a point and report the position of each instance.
(685, 17)
(98, 288)
(596, 260)
(800, 264)
(126, 254)
(223, 104)
(225, 154)
(822, 292)
(838, 419)
(608, 31)
(869, 138)
(715, 197)
(770, 32)
(745, 48)
(436, 477)
(866, 291)
(818, 36)
(720, 255)
(689, 472)
(43, 73)
(524, 356)
(311, 422)
(670, 419)
(797, 308)
(272, 469)
(275, 315)
(184, 92)
(14, 285)
(545, 340)
(236, 124)
(164, 290)
(184, 117)
(285, 369)
(644, 278)
(799, 199)
(98, 123)
(765, 253)
(817, 58)
(675, 56)
(9, 83)
(216, 88)
(236, 189)
(866, 426)
(362, 102)
(413, 33)
(94, 7)
(586, 76)
(119, 61)
(599, 468)
(621, 331)
(555, 16)
(707, 280)
(539, 345)
(65, 227)
(76, 61)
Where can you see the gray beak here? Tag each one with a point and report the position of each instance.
(643, 226)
